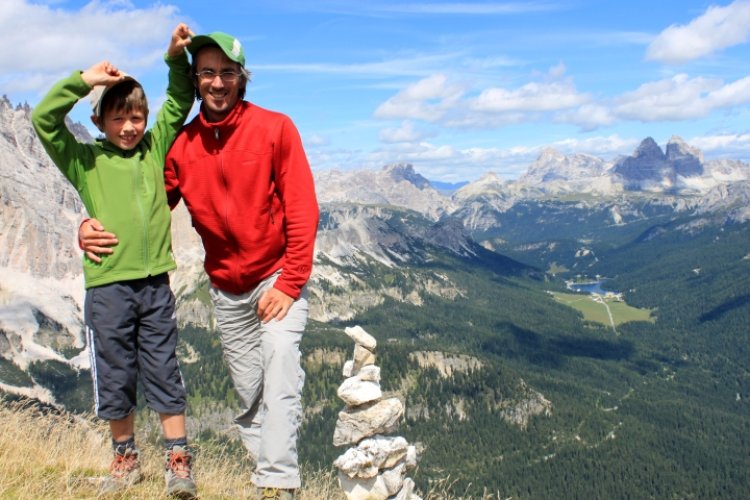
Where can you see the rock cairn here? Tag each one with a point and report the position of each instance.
(375, 467)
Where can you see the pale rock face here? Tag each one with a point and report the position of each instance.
(397, 185)
(41, 280)
(446, 365)
(520, 412)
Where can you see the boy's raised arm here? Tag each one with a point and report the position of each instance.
(181, 37)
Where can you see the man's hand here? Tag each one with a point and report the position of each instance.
(94, 240)
(273, 304)
(180, 39)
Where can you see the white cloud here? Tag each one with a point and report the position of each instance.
(587, 117)
(601, 146)
(530, 97)
(405, 133)
(316, 140)
(44, 42)
(427, 100)
(733, 144)
(717, 29)
(681, 98)
(437, 100)
(466, 8)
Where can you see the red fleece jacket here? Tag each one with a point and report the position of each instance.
(248, 187)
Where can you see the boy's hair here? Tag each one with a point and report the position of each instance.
(126, 96)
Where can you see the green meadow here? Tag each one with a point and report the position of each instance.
(598, 309)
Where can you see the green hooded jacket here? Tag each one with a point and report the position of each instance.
(122, 189)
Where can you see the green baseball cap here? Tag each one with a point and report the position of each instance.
(230, 45)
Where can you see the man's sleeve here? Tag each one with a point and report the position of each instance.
(171, 182)
(297, 191)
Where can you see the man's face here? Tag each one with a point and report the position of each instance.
(124, 129)
(219, 96)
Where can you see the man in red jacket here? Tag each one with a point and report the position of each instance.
(244, 177)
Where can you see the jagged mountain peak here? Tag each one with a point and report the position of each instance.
(489, 184)
(549, 154)
(397, 184)
(553, 165)
(405, 172)
(650, 168)
(686, 160)
(649, 148)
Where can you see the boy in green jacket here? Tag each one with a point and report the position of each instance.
(129, 308)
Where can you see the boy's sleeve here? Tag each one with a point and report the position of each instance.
(48, 119)
(177, 105)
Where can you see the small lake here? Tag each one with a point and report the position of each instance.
(592, 286)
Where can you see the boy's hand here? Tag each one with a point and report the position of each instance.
(180, 39)
(94, 240)
(103, 73)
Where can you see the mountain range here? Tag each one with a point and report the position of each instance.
(457, 283)
(384, 216)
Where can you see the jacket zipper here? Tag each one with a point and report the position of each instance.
(139, 202)
(230, 236)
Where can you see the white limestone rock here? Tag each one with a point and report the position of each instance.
(372, 455)
(362, 357)
(355, 424)
(393, 479)
(387, 451)
(369, 373)
(348, 369)
(356, 392)
(373, 488)
(361, 337)
(407, 491)
(411, 457)
(356, 463)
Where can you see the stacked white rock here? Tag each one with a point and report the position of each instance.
(375, 467)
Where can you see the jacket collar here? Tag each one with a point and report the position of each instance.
(108, 146)
(229, 122)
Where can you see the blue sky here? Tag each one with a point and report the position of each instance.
(457, 89)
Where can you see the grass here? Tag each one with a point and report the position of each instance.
(596, 311)
(46, 456)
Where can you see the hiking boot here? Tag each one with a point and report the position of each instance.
(178, 473)
(124, 472)
(269, 492)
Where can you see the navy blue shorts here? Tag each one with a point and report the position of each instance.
(131, 331)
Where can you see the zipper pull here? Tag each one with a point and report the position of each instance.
(216, 133)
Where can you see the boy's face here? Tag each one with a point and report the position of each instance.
(219, 97)
(124, 129)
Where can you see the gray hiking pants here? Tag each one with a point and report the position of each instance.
(264, 362)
